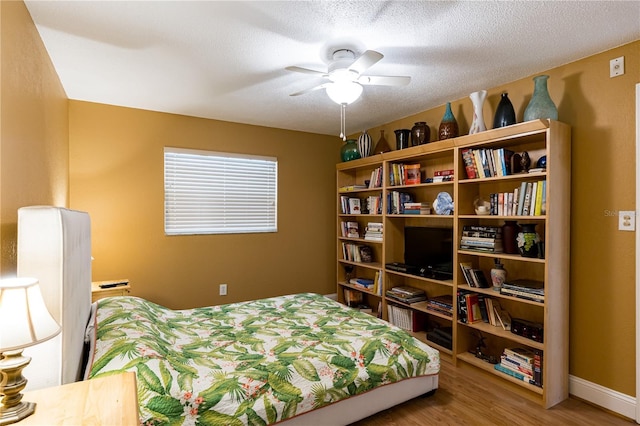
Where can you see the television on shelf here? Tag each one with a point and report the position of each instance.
(428, 251)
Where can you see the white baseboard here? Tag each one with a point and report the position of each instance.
(609, 399)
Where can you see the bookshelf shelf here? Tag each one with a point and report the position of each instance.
(538, 138)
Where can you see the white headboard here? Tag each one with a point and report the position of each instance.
(54, 246)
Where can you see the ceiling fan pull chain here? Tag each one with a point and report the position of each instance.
(343, 113)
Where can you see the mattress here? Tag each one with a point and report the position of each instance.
(257, 362)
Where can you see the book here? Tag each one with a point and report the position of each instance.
(534, 190)
(527, 199)
(521, 193)
(354, 206)
(473, 308)
(503, 318)
(462, 307)
(479, 278)
(411, 174)
(537, 368)
(490, 312)
(352, 188)
(466, 268)
(483, 308)
(469, 165)
(538, 208)
(352, 230)
(520, 353)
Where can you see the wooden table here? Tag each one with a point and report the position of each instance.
(98, 292)
(108, 401)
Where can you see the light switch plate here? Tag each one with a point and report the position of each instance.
(627, 220)
(616, 67)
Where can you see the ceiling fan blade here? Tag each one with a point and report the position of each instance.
(384, 80)
(307, 71)
(366, 60)
(302, 92)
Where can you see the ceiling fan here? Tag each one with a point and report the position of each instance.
(346, 70)
(346, 79)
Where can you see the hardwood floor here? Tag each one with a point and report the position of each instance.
(462, 400)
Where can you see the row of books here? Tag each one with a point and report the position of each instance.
(417, 208)
(484, 163)
(349, 229)
(404, 174)
(376, 178)
(396, 202)
(357, 253)
(481, 238)
(373, 231)
(524, 289)
(374, 204)
(475, 307)
(442, 304)
(406, 294)
(406, 319)
(530, 199)
(523, 364)
(474, 277)
(350, 205)
(372, 285)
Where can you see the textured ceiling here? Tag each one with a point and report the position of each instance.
(226, 60)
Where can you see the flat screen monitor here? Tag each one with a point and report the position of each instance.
(429, 247)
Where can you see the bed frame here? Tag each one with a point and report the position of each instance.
(54, 245)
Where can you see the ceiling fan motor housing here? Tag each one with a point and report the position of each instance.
(339, 68)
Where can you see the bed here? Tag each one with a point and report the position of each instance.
(294, 359)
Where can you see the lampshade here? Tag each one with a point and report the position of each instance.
(344, 92)
(24, 318)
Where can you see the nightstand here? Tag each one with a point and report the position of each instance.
(109, 289)
(108, 401)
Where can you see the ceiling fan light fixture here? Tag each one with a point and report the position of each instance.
(344, 92)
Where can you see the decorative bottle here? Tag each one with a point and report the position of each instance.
(498, 275)
(349, 150)
(477, 99)
(364, 144)
(510, 231)
(448, 126)
(382, 145)
(528, 240)
(420, 133)
(402, 138)
(541, 106)
(505, 114)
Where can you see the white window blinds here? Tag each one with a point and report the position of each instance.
(214, 192)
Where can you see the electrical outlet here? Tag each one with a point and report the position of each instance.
(223, 289)
(616, 67)
(626, 220)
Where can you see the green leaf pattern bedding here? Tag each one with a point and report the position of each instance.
(250, 363)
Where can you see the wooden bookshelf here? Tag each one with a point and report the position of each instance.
(537, 137)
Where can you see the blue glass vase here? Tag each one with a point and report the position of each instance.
(541, 106)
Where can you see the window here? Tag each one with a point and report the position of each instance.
(216, 193)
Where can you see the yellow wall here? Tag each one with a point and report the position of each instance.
(116, 174)
(116, 157)
(34, 146)
(601, 111)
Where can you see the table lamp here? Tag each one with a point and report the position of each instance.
(24, 321)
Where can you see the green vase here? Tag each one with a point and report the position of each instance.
(349, 150)
(541, 106)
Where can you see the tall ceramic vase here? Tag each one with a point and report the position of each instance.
(448, 126)
(541, 106)
(364, 144)
(505, 114)
(477, 99)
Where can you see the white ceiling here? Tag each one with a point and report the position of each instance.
(226, 60)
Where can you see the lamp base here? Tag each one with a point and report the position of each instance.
(16, 413)
(12, 408)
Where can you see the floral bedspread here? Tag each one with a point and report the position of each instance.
(250, 363)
